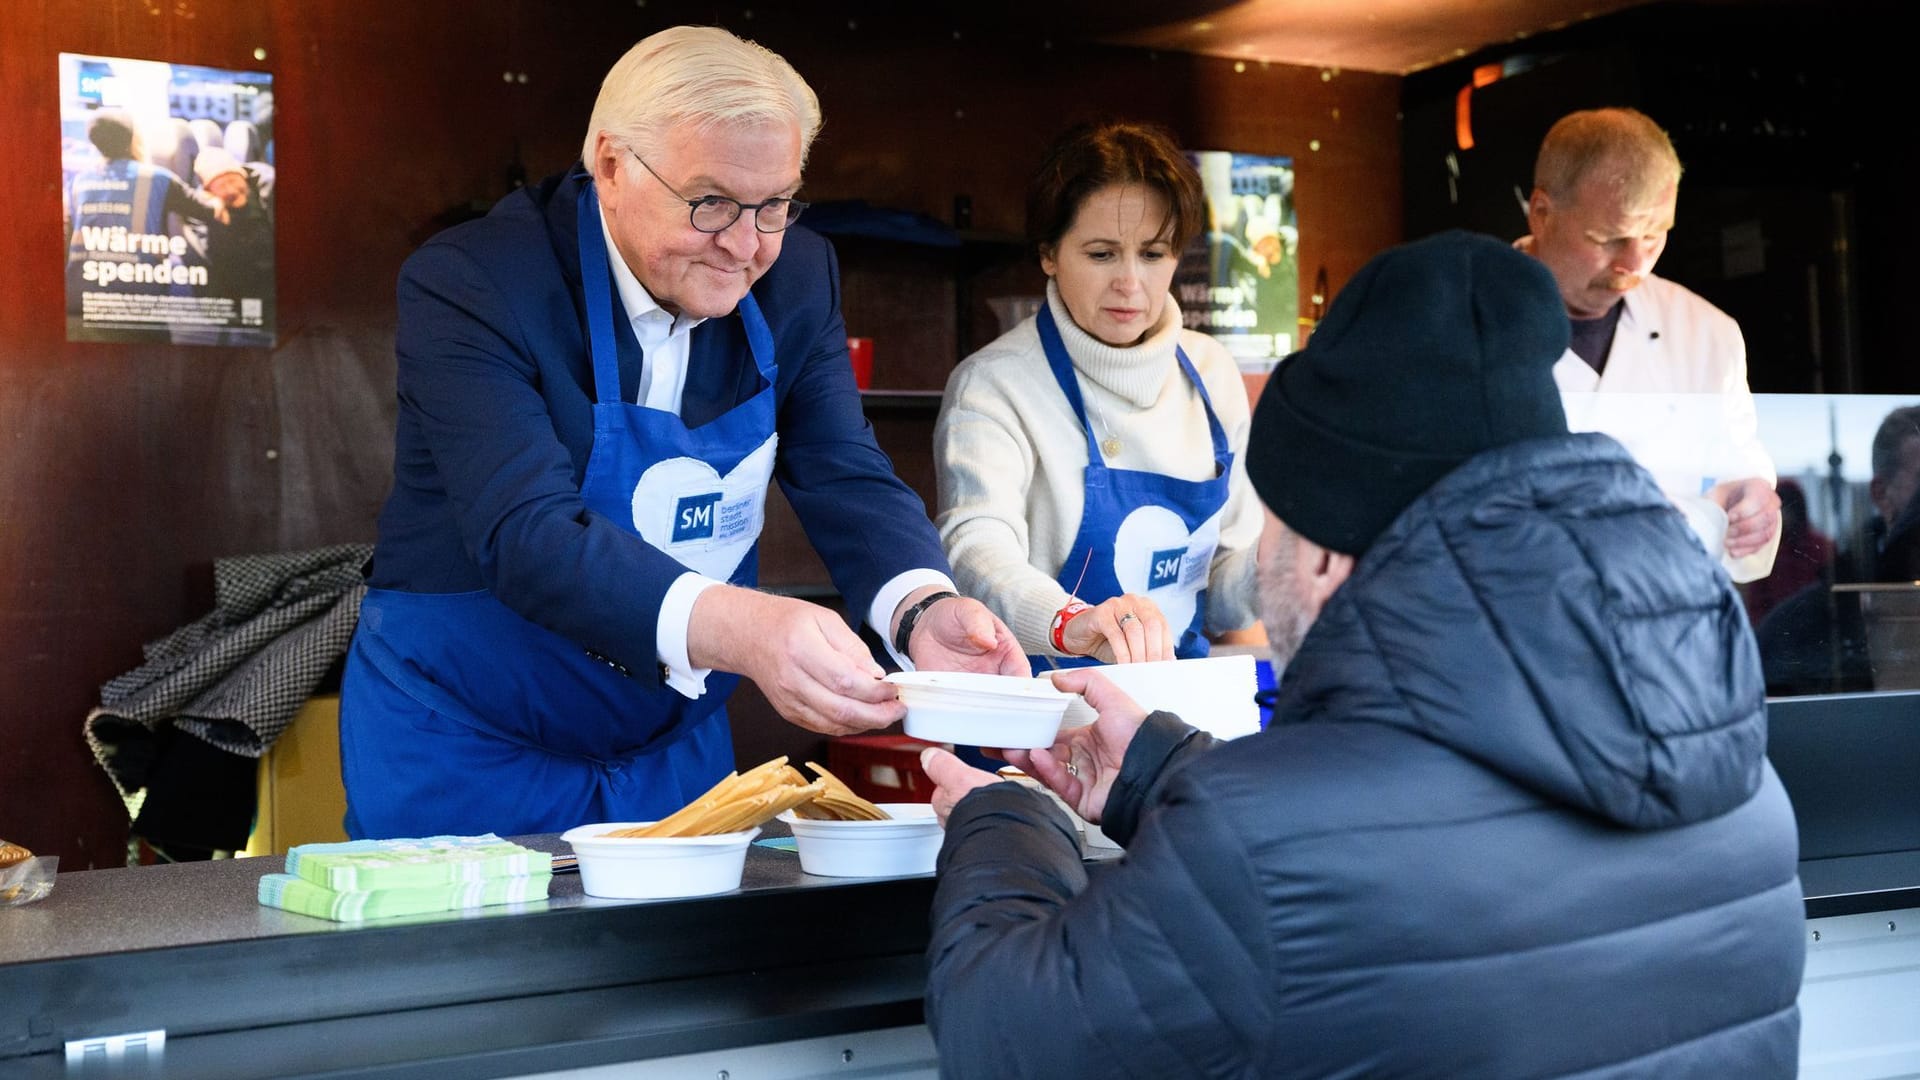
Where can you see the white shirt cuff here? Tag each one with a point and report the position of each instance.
(887, 601)
(670, 633)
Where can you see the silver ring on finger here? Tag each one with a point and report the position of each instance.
(1073, 770)
(1127, 618)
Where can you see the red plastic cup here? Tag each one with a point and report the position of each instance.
(860, 352)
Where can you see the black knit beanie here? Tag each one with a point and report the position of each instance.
(1435, 351)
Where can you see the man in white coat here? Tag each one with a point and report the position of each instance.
(1651, 363)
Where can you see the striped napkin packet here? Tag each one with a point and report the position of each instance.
(371, 879)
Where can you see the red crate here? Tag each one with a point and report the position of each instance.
(881, 768)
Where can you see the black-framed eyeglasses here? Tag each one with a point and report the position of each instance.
(717, 213)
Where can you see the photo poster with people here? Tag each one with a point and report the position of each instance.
(167, 202)
(1239, 280)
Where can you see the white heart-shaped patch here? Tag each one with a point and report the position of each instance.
(707, 521)
(1155, 556)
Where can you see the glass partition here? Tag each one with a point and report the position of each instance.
(1840, 611)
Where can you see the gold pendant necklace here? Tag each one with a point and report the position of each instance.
(1109, 446)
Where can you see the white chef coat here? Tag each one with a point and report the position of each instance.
(1675, 394)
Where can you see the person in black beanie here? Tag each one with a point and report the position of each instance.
(1375, 410)
(1515, 769)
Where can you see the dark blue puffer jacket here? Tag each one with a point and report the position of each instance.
(1513, 819)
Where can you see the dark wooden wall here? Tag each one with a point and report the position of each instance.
(128, 469)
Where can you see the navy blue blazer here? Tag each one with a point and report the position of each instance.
(496, 421)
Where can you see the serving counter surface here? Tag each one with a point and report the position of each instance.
(245, 990)
(242, 990)
(108, 911)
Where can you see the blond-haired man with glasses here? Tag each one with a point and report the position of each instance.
(597, 382)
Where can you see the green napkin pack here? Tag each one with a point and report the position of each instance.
(372, 879)
(414, 863)
(292, 893)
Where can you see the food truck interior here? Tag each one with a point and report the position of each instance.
(135, 467)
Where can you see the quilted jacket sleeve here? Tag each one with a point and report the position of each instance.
(1163, 743)
(1153, 967)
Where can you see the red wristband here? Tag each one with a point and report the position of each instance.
(1060, 620)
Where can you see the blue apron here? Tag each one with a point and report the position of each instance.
(460, 716)
(1142, 532)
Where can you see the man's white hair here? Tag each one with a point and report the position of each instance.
(699, 75)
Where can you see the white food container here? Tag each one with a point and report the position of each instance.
(907, 843)
(1005, 712)
(657, 868)
(1213, 693)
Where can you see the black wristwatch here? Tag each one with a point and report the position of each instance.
(905, 632)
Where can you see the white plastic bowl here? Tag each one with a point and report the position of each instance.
(657, 868)
(1002, 711)
(907, 843)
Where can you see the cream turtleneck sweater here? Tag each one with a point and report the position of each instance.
(1011, 460)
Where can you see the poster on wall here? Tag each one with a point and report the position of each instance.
(1240, 278)
(167, 202)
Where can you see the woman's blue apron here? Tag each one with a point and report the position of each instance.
(1142, 532)
(460, 716)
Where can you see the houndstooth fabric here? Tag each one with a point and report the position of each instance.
(236, 676)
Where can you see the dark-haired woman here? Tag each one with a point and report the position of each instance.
(1090, 490)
